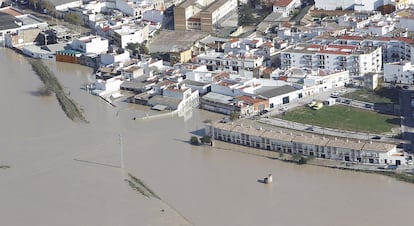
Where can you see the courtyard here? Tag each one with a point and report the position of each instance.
(344, 118)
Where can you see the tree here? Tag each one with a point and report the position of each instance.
(299, 159)
(137, 48)
(234, 115)
(246, 15)
(194, 140)
(206, 139)
(46, 5)
(73, 18)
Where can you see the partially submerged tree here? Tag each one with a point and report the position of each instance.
(194, 140)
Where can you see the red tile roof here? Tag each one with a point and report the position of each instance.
(250, 100)
(282, 3)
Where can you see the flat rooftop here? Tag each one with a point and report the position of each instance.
(8, 21)
(169, 40)
(29, 19)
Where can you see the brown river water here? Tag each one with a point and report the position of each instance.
(67, 173)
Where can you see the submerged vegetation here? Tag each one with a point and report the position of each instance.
(51, 84)
(140, 187)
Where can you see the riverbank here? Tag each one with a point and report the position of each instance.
(71, 109)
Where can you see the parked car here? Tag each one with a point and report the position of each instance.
(368, 105)
(311, 104)
(309, 128)
(346, 101)
(376, 137)
(335, 94)
(406, 87)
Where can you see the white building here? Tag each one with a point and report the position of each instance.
(108, 86)
(90, 44)
(399, 72)
(112, 58)
(132, 72)
(137, 7)
(285, 7)
(243, 64)
(153, 15)
(393, 48)
(320, 81)
(279, 95)
(130, 34)
(363, 5)
(307, 144)
(12, 20)
(358, 60)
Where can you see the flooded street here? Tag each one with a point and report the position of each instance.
(67, 173)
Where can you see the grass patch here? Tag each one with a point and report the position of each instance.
(342, 117)
(380, 95)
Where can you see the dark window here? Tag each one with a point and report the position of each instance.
(285, 100)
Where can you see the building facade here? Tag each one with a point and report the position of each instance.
(358, 60)
(285, 141)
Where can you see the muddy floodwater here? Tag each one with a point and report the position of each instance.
(67, 173)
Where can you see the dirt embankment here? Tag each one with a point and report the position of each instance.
(51, 83)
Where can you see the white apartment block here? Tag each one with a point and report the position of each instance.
(306, 144)
(355, 59)
(362, 5)
(90, 44)
(243, 64)
(399, 72)
(394, 49)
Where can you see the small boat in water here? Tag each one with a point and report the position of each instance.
(268, 179)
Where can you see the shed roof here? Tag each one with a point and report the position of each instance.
(270, 92)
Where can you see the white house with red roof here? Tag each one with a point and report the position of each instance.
(285, 7)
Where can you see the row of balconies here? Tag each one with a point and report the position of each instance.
(293, 149)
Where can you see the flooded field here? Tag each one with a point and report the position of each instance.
(67, 173)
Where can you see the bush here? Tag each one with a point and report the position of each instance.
(44, 91)
(194, 140)
(206, 139)
(299, 159)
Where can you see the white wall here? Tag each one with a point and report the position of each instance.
(112, 58)
(64, 7)
(95, 45)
